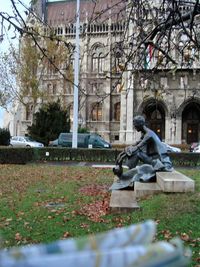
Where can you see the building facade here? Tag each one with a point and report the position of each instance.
(112, 90)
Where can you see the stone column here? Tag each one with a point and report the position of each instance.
(122, 133)
(168, 130)
(178, 138)
(129, 103)
(83, 81)
(107, 88)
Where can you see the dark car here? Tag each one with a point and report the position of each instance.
(85, 140)
(53, 143)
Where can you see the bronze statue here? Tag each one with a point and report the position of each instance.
(149, 150)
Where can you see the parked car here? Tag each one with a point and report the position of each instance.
(53, 143)
(197, 149)
(193, 146)
(86, 140)
(172, 149)
(24, 141)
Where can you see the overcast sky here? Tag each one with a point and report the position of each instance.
(6, 6)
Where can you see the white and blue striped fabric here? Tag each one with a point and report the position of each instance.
(120, 247)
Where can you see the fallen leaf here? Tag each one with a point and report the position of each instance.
(18, 237)
(185, 237)
(65, 219)
(66, 234)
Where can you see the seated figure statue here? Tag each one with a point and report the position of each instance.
(149, 151)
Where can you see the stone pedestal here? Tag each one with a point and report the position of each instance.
(123, 201)
(174, 182)
(126, 200)
(146, 189)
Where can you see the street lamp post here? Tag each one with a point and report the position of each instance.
(76, 78)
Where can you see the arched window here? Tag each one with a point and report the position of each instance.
(155, 117)
(98, 57)
(117, 58)
(96, 112)
(117, 111)
(191, 123)
(95, 62)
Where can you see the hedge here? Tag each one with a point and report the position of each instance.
(10, 155)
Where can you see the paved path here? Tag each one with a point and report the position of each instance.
(96, 164)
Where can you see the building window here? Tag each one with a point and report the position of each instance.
(97, 63)
(98, 58)
(96, 112)
(164, 82)
(156, 115)
(116, 137)
(96, 88)
(70, 111)
(186, 50)
(29, 110)
(70, 63)
(54, 89)
(117, 88)
(117, 111)
(49, 88)
(117, 59)
(68, 89)
(183, 82)
(51, 66)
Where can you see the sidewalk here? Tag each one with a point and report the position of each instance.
(96, 164)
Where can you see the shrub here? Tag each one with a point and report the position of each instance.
(10, 155)
(4, 137)
(25, 155)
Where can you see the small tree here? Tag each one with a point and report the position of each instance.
(49, 122)
(83, 130)
(4, 137)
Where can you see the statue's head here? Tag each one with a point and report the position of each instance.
(138, 122)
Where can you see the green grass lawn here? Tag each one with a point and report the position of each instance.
(40, 203)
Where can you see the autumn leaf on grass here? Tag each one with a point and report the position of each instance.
(84, 225)
(197, 260)
(65, 219)
(94, 211)
(66, 235)
(18, 237)
(195, 242)
(93, 190)
(7, 221)
(167, 234)
(185, 237)
(119, 221)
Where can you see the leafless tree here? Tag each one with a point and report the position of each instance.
(150, 31)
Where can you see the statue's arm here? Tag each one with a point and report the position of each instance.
(143, 142)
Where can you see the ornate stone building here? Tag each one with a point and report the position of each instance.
(111, 91)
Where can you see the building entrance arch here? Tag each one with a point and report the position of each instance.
(191, 123)
(155, 117)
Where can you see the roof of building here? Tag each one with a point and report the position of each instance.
(64, 12)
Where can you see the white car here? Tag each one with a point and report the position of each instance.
(172, 148)
(197, 149)
(24, 141)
